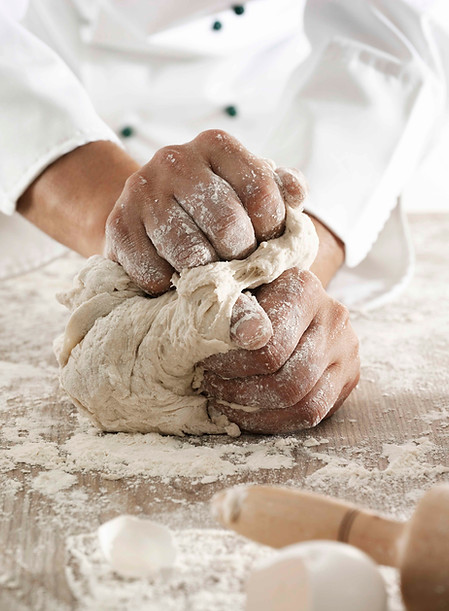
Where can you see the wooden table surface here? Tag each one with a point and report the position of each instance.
(384, 448)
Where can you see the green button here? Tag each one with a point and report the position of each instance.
(238, 9)
(231, 111)
(127, 131)
(217, 25)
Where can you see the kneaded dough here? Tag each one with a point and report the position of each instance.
(128, 360)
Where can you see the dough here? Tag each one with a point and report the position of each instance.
(128, 360)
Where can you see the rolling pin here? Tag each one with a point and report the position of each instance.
(279, 516)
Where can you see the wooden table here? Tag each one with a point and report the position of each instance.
(388, 444)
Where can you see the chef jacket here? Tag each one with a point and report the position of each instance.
(349, 91)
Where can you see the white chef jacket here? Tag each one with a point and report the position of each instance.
(350, 91)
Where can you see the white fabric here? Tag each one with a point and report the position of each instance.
(348, 91)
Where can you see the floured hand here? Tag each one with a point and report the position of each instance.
(303, 374)
(192, 204)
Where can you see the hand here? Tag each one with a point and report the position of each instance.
(192, 204)
(73, 200)
(303, 374)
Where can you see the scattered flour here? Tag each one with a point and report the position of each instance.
(406, 462)
(153, 455)
(122, 455)
(51, 482)
(201, 578)
(312, 442)
(383, 461)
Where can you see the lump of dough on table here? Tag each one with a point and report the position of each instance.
(128, 360)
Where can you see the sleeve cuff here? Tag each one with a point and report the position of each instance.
(9, 197)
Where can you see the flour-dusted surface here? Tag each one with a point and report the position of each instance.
(61, 478)
(129, 362)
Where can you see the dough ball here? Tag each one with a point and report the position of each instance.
(129, 361)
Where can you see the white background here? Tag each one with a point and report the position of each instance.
(428, 191)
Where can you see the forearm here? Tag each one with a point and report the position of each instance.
(331, 253)
(72, 198)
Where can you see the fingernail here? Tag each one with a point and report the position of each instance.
(252, 331)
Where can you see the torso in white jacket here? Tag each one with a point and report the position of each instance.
(349, 92)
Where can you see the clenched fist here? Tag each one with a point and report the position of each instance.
(195, 203)
(303, 374)
(203, 201)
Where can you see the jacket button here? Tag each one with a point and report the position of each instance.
(217, 25)
(238, 9)
(127, 131)
(231, 111)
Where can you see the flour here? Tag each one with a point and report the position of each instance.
(312, 442)
(53, 481)
(406, 463)
(152, 455)
(127, 474)
(128, 361)
(200, 579)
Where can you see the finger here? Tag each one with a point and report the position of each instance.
(347, 389)
(252, 178)
(282, 389)
(290, 302)
(132, 248)
(182, 173)
(217, 211)
(250, 326)
(305, 414)
(174, 234)
(294, 186)
(214, 207)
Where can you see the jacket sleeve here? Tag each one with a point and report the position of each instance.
(44, 110)
(372, 98)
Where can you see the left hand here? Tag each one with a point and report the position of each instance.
(303, 374)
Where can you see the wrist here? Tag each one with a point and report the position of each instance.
(331, 253)
(72, 198)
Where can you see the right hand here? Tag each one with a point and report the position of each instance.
(192, 204)
(303, 374)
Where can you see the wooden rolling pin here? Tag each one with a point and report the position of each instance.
(419, 548)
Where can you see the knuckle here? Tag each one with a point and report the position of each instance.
(310, 282)
(170, 157)
(340, 314)
(115, 229)
(214, 137)
(136, 183)
(355, 353)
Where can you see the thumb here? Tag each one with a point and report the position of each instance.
(250, 326)
(293, 186)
